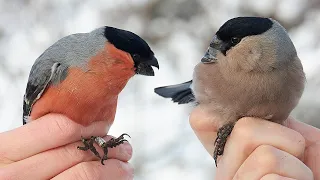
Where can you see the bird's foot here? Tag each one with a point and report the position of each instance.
(113, 142)
(221, 140)
(88, 145)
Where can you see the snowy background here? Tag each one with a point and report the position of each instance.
(179, 32)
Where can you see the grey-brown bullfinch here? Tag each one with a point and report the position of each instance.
(251, 69)
(81, 76)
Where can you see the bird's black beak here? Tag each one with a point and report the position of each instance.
(211, 54)
(145, 67)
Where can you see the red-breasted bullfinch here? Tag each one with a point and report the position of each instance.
(81, 76)
(251, 69)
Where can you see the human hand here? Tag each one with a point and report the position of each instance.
(259, 149)
(47, 148)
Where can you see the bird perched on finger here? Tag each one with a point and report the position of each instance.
(251, 69)
(81, 76)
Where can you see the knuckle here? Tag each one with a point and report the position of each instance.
(243, 130)
(62, 126)
(266, 157)
(194, 120)
(201, 120)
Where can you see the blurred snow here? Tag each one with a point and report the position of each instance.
(179, 32)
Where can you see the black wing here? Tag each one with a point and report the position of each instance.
(41, 76)
(180, 93)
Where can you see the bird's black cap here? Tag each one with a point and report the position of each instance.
(138, 48)
(243, 26)
(232, 31)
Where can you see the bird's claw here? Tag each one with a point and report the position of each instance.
(122, 136)
(221, 140)
(113, 142)
(88, 145)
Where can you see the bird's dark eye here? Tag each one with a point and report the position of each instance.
(235, 40)
(135, 56)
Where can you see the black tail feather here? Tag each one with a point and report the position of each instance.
(180, 93)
